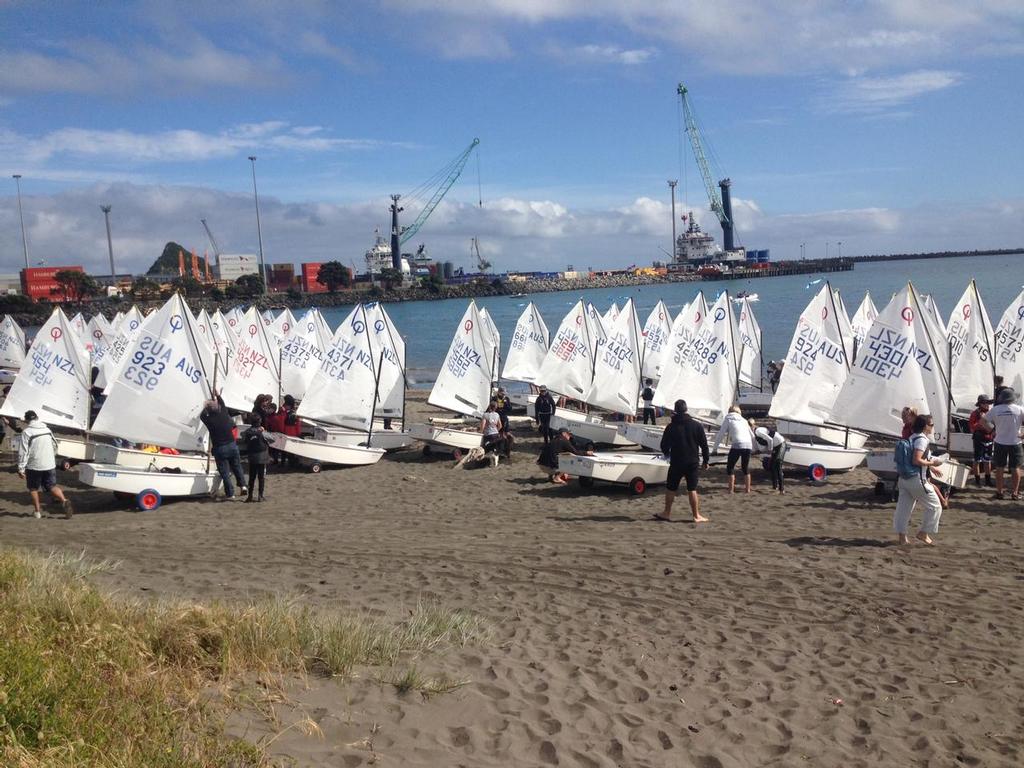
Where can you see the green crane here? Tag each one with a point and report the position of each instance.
(720, 204)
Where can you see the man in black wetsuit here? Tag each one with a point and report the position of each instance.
(686, 445)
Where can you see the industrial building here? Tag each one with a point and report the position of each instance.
(230, 267)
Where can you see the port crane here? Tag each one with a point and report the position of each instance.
(213, 240)
(439, 183)
(721, 204)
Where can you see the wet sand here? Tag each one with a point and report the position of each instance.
(789, 630)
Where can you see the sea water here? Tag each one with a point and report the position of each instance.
(428, 326)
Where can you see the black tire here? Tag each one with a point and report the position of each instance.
(426, 450)
(880, 488)
(315, 467)
(637, 486)
(587, 482)
(66, 464)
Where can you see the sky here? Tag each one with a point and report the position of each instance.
(888, 126)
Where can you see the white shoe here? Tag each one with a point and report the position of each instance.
(37, 515)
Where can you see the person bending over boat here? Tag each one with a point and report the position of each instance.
(560, 443)
(495, 439)
(225, 450)
(741, 443)
(774, 444)
(685, 444)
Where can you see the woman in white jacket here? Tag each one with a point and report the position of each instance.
(741, 443)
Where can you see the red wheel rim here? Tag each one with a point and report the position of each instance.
(818, 473)
(149, 501)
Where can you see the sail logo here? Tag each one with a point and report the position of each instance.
(967, 311)
(133, 325)
(176, 323)
(56, 333)
(358, 326)
(908, 315)
(310, 327)
(379, 325)
(888, 353)
(719, 315)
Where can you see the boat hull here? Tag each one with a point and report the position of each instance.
(446, 437)
(882, 464)
(652, 468)
(832, 457)
(132, 480)
(385, 439)
(752, 401)
(588, 427)
(75, 448)
(129, 457)
(523, 400)
(317, 453)
(830, 435)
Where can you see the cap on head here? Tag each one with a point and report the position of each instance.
(982, 400)
(543, 388)
(1006, 396)
(31, 416)
(680, 407)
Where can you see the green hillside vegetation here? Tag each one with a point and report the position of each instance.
(168, 261)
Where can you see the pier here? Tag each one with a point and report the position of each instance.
(784, 268)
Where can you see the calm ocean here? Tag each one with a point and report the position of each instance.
(428, 326)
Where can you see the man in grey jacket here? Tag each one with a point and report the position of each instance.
(37, 463)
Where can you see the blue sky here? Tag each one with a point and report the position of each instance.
(890, 126)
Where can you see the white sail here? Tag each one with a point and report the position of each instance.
(268, 317)
(749, 338)
(254, 366)
(702, 370)
(282, 326)
(863, 318)
(464, 382)
(302, 354)
(78, 325)
(235, 319)
(54, 381)
(495, 339)
(159, 394)
(226, 339)
(845, 326)
(681, 335)
(98, 335)
(12, 344)
(656, 340)
(901, 364)
(391, 385)
(933, 316)
(111, 359)
(528, 347)
(817, 363)
(611, 315)
(616, 381)
(342, 390)
(971, 356)
(1008, 343)
(116, 322)
(568, 367)
(595, 328)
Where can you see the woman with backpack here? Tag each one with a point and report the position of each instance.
(915, 467)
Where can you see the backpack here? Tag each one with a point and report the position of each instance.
(904, 456)
(647, 395)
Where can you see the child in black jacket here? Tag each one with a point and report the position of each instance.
(258, 447)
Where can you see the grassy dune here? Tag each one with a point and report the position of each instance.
(91, 679)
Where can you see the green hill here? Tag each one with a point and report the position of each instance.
(167, 264)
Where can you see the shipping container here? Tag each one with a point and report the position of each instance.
(41, 282)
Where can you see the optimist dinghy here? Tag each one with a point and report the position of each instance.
(526, 353)
(636, 470)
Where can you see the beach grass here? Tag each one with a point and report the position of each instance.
(88, 678)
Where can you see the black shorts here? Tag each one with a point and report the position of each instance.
(676, 474)
(742, 455)
(1007, 456)
(40, 479)
(982, 450)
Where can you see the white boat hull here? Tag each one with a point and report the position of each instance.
(129, 457)
(588, 427)
(882, 464)
(755, 401)
(638, 470)
(385, 439)
(317, 453)
(132, 480)
(961, 444)
(446, 437)
(645, 435)
(75, 448)
(832, 457)
(523, 400)
(830, 435)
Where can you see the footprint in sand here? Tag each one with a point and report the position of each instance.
(459, 736)
(548, 753)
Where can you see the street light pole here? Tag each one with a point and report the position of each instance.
(110, 244)
(259, 230)
(802, 250)
(24, 238)
(672, 187)
(840, 249)
(826, 249)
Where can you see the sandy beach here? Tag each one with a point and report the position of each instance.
(789, 630)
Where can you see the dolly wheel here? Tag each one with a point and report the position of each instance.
(637, 486)
(587, 482)
(817, 474)
(880, 488)
(66, 464)
(457, 453)
(426, 450)
(148, 499)
(315, 467)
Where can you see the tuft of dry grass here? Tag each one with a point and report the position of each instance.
(89, 679)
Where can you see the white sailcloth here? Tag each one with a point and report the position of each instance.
(54, 381)
(386, 338)
(863, 318)
(817, 363)
(343, 387)
(302, 354)
(702, 370)
(596, 329)
(235, 318)
(972, 361)
(159, 394)
(78, 325)
(751, 370)
(1009, 345)
(568, 367)
(656, 340)
(901, 364)
(528, 347)
(492, 329)
(933, 315)
(254, 366)
(12, 344)
(616, 381)
(464, 382)
(112, 357)
(282, 327)
(611, 315)
(845, 326)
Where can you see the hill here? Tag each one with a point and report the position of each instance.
(167, 264)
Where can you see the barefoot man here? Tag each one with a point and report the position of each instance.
(685, 443)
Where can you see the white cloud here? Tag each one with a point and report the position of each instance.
(172, 146)
(878, 94)
(601, 54)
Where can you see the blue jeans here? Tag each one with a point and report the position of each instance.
(229, 463)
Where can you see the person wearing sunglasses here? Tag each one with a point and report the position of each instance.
(917, 487)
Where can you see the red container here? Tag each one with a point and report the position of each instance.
(309, 283)
(41, 283)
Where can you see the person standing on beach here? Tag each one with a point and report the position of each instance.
(981, 437)
(225, 450)
(648, 397)
(37, 463)
(775, 444)
(504, 404)
(685, 443)
(543, 410)
(741, 443)
(493, 435)
(916, 486)
(257, 446)
(1006, 419)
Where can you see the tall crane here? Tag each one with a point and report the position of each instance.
(213, 240)
(440, 183)
(721, 205)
